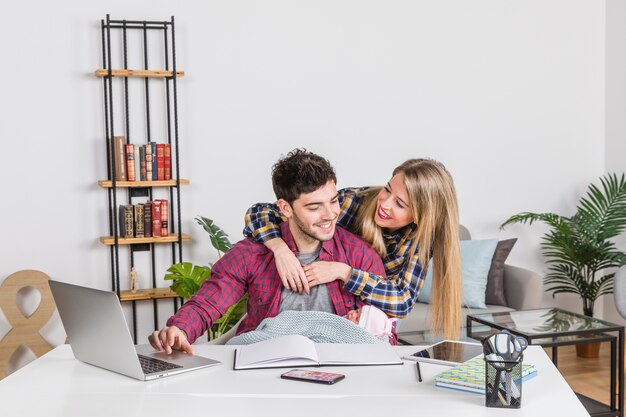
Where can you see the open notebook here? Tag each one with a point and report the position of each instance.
(296, 350)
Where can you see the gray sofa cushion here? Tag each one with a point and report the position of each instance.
(419, 318)
(495, 280)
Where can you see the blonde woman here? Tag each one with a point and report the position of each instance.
(410, 220)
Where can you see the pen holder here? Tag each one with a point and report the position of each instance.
(503, 383)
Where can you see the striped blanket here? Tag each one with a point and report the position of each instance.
(319, 326)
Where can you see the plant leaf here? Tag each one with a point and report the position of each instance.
(186, 278)
(219, 239)
(602, 213)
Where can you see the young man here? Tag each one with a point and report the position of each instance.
(305, 187)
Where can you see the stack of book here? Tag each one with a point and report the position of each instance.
(150, 219)
(470, 376)
(149, 162)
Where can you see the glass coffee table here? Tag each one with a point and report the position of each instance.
(554, 327)
(429, 337)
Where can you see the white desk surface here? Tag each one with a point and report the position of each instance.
(59, 385)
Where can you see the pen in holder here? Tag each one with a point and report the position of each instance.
(503, 370)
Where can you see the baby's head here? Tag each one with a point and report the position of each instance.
(372, 319)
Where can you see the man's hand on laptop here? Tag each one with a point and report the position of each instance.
(169, 338)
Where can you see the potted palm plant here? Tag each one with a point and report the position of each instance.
(579, 250)
(187, 278)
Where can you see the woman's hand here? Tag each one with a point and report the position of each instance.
(322, 272)
(288, 266)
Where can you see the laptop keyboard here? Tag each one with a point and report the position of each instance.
(152, 365)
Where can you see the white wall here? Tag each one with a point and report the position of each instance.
(615, 107)
(509, 95)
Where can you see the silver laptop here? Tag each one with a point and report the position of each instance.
(95, 324)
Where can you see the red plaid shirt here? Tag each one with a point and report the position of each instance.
(249, 267)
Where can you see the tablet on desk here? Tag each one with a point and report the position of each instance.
(447, 352)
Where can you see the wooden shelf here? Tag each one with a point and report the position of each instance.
(138, 73)
(109, 240)
(131, 184)
(147, 294)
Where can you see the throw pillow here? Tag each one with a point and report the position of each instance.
(476, 256)
(495, 279)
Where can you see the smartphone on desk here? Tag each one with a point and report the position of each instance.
(313, 376)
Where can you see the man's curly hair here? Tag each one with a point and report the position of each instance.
(300, 172)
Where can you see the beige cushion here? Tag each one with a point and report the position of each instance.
(419, 319)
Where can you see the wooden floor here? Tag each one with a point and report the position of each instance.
(590, 377)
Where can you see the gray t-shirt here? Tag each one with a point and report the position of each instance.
(317, 300)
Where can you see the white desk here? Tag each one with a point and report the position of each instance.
(59, 385)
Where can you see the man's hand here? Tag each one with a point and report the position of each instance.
(288, 266)
(322, 272)
(169, 338)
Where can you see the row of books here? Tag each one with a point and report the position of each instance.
(150, 219)
(149, 162)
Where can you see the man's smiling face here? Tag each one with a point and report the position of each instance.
(314, 214)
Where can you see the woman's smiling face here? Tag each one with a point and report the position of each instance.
(392, 209)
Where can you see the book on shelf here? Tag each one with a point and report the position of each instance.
(153, 149)
(126, 218)
(164, 218)
(147, 219)
(156, 218)
(119, 157)
(470, 376)
(142, 163)
(137, 161)
(139, 220)
(130, 162)
(167, 162)
(160, 153)
(148, 151)
(121, 219)
(296, 350)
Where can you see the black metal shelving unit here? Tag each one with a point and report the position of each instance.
(122, 46)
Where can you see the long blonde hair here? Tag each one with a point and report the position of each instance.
(433, 203)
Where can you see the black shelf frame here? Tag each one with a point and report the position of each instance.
(169, 53)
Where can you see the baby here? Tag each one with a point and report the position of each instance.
(373, 320)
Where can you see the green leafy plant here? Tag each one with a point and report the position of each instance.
(579, 249)
(187, 278)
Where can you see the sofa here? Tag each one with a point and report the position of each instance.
(523, 290)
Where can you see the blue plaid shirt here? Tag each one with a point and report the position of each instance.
(394, 294)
